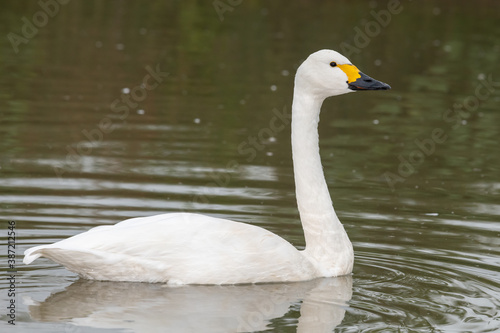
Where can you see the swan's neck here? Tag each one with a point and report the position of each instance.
(327, 243)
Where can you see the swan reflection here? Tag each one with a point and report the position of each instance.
(143, 307)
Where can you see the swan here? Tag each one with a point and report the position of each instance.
(188, 248)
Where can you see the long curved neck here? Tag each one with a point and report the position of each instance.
(313, 198)
(325, 236)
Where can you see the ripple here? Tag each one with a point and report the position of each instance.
(412, 292)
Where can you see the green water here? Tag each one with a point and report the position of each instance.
(118, 109)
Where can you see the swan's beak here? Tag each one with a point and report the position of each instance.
(364, 82)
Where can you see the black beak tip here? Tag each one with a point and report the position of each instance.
(385, 86)
(364, 82)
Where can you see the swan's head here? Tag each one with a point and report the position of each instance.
(327, 73)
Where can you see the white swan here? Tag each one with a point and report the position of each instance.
(184, 248)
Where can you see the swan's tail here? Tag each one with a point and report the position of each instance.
(32, 254)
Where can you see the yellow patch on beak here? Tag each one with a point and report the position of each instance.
(351, 71)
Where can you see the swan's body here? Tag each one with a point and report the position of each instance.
(184, 248)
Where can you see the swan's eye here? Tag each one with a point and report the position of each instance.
(333, 64)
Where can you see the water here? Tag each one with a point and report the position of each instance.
(413, 172)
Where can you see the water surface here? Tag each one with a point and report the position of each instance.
(413, 172)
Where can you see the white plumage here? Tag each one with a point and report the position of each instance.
(178, 248)
(184, 248)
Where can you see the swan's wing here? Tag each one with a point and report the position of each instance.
(179, 248)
